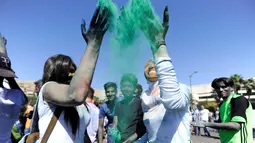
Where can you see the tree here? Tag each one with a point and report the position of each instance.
(249, 85)
(238, 81)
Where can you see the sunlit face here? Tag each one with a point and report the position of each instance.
(127, 89)
(150, 72)
(111, 93)
(223, 90)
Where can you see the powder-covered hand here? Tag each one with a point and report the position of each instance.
(115, 134)
(98, 27)
(165, 23)
(3, 41)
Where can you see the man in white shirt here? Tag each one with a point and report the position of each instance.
(195, 117)
(94, 116)
(204, 116)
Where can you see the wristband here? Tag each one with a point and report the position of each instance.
(160, 43)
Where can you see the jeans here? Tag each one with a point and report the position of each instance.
(197, 131)
(207, 133)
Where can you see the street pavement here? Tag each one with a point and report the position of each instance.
(203, 139)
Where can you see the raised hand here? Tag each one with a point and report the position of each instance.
(98, 27)
(3, 41)
(158, 38)
(165, 23)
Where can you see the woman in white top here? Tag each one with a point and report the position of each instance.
(67, 87)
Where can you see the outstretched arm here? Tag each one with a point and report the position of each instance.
(224, 126)
(173, 95)
(76, 92)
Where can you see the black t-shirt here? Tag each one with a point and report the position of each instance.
(130, 119)
(238, 107)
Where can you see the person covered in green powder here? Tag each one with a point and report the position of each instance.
(128, 119)
(235, 117)
(107, 110)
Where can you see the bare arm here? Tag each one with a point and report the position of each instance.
(225, 126)
(75, 93)
(100, 130)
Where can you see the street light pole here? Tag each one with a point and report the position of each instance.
(190, 84)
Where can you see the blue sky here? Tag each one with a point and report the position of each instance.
(213, 37)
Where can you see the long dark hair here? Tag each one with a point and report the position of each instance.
(57, 69)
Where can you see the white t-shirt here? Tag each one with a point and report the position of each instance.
(204, 115)
(62, 132)
(11, 101)
(93, 125)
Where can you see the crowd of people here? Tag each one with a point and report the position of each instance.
(65, 110)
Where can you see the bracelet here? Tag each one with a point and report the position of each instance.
(160, 43)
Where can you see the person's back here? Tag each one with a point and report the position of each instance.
(204, 115)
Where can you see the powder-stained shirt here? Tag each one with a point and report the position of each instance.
(166, 106)
(130, 118)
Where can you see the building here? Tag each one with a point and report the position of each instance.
(28, 88)
(200, 93)
(204, 92)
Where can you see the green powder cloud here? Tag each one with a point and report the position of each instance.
(128, 27)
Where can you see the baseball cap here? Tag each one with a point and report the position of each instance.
(5, 66)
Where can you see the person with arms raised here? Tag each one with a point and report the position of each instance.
(66, 87)
(166, 102)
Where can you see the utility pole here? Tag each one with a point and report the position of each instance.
(190, 84)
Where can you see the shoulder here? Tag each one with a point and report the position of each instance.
(239, 101)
